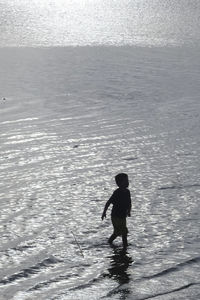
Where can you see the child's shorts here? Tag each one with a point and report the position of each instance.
(119, 225)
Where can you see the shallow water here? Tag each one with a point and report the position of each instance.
(66, 130)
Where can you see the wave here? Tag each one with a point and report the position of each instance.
(172, 187)
(61, 278)
(18, 121)
(186, 286)
(174, 269)
(47, 283)
(46, 263)
(124, 290)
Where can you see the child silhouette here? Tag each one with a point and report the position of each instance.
(121, 201)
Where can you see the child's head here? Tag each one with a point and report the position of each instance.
(121, 180)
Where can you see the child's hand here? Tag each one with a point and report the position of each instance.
(103, 216)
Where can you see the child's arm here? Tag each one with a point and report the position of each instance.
(105, 209)
(129, 206)
(110, 201)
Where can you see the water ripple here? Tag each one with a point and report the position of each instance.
(46, 263)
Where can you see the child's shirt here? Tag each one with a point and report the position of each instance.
(121, 200)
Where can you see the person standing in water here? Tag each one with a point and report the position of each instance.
(121, 201)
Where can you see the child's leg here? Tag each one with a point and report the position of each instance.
(124, 240)
(112, 238)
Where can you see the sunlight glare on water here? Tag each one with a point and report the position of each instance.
(99, 22)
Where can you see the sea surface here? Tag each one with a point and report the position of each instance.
(99, 22)
(89, 89)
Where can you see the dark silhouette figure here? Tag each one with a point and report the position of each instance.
(121, 201)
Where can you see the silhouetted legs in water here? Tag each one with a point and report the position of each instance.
(112, 238)
(124, 239)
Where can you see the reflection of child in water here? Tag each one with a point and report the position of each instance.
(121, 200)
(120, 261)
